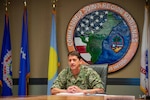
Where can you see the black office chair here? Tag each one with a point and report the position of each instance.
(102, 70)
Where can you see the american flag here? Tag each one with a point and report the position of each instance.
(91, 23)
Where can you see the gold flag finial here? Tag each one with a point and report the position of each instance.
(6, 4)
(53, 4)
(147, 2)
(25, 3)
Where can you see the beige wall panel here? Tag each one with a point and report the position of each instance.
(39, 22)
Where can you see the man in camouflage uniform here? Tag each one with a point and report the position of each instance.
(77, 78)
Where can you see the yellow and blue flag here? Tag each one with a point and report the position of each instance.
(53, 55)
(6, 61)
(24, 57)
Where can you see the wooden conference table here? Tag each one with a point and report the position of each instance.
(62, 97)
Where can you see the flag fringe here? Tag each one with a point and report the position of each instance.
(143, 90)
(1, 85)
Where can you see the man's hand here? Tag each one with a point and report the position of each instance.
(74, 89)
(93, 91)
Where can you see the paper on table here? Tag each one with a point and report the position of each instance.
(119, 97)
(74, 94)
(99, 94)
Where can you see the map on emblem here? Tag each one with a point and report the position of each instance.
(103, 33)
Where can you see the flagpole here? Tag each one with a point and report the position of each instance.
(6, 81)
(27, 92)
(27, 78)
(148, 95)
(53, 56)
(6, 3)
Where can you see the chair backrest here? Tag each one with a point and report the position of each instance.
(102, 70)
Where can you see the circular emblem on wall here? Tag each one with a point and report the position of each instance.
(103, 33)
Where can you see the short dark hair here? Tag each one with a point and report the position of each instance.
(75, 53)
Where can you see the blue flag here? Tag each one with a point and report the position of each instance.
(53, 56)
(24, 57)
(6, 61)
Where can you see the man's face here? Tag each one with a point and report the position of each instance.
(74, 62)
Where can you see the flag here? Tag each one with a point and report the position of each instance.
(24, 57)
(6, 61)
(53, 55)
(145, 54)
